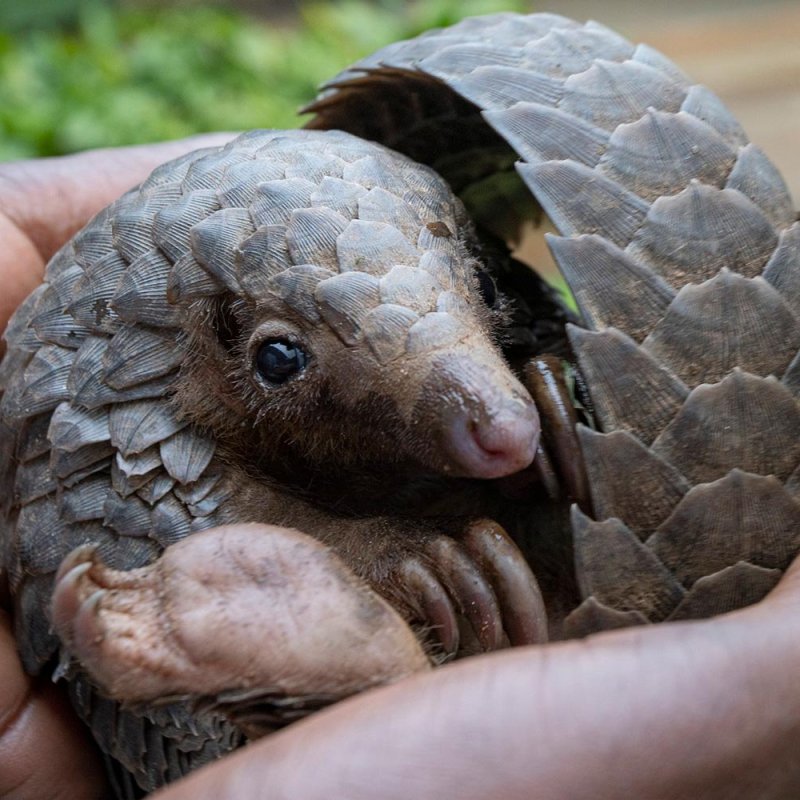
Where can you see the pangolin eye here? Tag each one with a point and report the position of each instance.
(278, 360)
(487, 288)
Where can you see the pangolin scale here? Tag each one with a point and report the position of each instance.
(680, 243)
(678, 240)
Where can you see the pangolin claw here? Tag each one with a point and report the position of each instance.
(516, 588)
(472, 592)
(433, 603)
(478, 577)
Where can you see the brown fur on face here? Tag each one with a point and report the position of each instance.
(383, 296)
(345, 412)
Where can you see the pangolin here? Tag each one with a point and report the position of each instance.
(302, 328)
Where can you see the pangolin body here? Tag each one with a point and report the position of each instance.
(253, 322)
(679, 244)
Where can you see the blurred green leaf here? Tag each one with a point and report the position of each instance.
(38, 14)
(115, 75)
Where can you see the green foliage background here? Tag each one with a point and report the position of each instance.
(77, 75)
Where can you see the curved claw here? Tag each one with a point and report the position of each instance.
(517, 590)
(75, 558)
(69, 594)
(546, 474)
(435, 607)
(471, 591)
(88, 629)
(544, 379)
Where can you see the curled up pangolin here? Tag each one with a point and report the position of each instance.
(306, 329)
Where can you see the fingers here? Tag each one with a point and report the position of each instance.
(49, 199)
(21, 269)
(700, 711)
(792, 577)
(783, 602)
(36, 720)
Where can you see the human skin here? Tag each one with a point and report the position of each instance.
(692, 711)
(700, 710)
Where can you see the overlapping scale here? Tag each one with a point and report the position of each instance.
(676, 232)
(694, 471)
(699, 336)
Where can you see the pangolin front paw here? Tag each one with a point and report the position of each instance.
(234, 608)
(474, 591)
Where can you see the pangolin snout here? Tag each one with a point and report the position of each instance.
(494, 441)
(479, 417)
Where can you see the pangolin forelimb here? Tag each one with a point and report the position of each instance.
(244, 607)
(464, 584)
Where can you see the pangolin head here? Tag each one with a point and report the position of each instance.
(336, 316)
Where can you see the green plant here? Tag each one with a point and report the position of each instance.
(126, 75)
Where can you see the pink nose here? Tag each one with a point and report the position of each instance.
(492, 444)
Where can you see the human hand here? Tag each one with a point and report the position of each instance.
(691, 710)
(706, 710)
